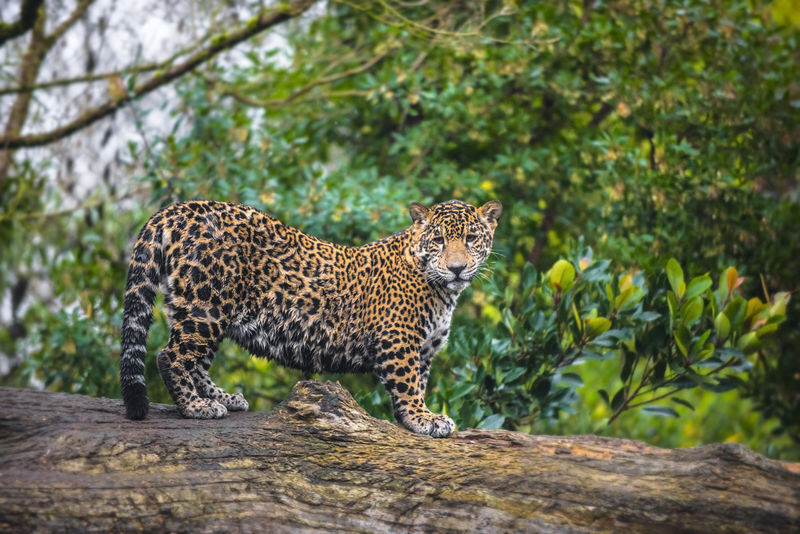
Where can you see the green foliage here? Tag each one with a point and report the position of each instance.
(67, 337)
(662, 334)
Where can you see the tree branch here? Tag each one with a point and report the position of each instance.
(29, 70)
(318, 462)
(28, 13)
(78, 12)
(89, 78)
(218, 43)
(277, 102)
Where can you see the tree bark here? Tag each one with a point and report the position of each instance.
(319, 462)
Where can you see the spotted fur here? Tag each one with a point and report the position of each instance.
(231, 271)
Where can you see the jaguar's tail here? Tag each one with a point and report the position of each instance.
(144, 275)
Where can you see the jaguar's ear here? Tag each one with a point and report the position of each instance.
(490, 212)
(419, 213)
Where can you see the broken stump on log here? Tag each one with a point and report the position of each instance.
(318, 462)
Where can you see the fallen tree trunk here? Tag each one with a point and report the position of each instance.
(319, 462)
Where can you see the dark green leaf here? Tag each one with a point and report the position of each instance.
(664, 411)
(619, 397)
(682, 402)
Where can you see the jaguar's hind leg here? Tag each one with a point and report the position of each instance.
(177, 362)
(209, 390)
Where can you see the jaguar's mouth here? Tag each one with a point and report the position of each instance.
(458, 284)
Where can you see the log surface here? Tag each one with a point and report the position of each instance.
(318, 462)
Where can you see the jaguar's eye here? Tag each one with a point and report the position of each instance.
(471, 238)
(438, 240)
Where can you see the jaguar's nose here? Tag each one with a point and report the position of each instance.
(456, 268)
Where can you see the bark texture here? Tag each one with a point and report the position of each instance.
(318, 462)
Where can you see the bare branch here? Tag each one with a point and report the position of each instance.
(89, 78)
(294, 95)
(78, 12)
(28, 12)
(22, 216)
(218, 43)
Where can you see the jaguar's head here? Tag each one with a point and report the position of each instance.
(452, 240)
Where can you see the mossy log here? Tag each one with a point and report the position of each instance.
(318, 462)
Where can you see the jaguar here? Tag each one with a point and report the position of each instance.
(231, 271)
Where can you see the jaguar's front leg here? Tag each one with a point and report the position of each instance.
(400, 372)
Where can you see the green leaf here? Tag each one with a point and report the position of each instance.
(627, 367)
(577, 317)
(683, 338)
(675, 276)
(562, 275)
(461, 390)
(529, 276)
(767, 329)
(691, 312)
(604, 395)
(722, 326)
(512, 375)
(683, 402)
(779, 307)
(749, 343)
(723, 384)
(700, 343)
(628, 298)
(673, 307)
(700, 379)
(619, 396)
(698, 286)
(663, 411)
(541, 387)
(609, 338)
(736, 311)
(596, 326)
(493, 422)
(647, 316)
(572, 379)
(609, 293)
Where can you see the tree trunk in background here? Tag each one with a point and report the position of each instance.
(29, 70)
(319, 462)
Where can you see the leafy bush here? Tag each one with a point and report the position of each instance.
(666, 334)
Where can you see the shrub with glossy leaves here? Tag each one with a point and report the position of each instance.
(665, 333)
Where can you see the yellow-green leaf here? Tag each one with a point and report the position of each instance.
(675, 276)
(625, 282)
(577, 318)
(766, 330)
(722, 325)
(754, 307)
(779, 306)
(562, 274)
(748, 343)
(623, 297)
(596, 326)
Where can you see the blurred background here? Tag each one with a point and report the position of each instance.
(617, 134)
